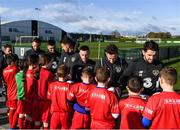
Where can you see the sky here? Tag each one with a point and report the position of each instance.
(129, 17)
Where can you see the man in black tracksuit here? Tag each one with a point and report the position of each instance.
(147, 67)
(114, 63)
(55, 55)
(36, 43)
(68, 55)
(79, 65)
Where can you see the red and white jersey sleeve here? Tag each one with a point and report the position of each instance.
(9, 74)
(57, 93)
(163, 110)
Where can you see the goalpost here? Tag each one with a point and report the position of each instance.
(143, 40)
(24, 39)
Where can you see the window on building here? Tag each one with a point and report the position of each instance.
(48, 32)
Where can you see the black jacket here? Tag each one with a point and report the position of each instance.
(55, 57)
(68, 59)
(77, 68)
(38, 52)
(116, 69)
(148, 72)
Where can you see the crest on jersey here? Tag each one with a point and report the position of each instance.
(73, 59)
(155, 72)
(118, 69)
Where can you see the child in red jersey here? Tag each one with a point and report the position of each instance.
(131, 108)
(102, 103)
(78, 92)
(45, 78)
(30, 86)
(163, 109)
(60, 108)
(9, 74)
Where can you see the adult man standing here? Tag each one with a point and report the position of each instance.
(55, 55)
(36, 43)
(68, 55)
(147, 67)
(114, 63)
(79, 65)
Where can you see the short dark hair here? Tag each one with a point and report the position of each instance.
(87, 71)
(135, 84)
(169, 74)
(10, 59)
(111, 49)
(44, 59)
(67, 40)
(84, 48)
(51, 42)
(37, 40)
(7, 46)
(102, 74)
(62, 71)
(151, 45)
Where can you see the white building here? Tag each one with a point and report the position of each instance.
(13, 30)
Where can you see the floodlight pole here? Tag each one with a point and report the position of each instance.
(38, 9)
(0, 34)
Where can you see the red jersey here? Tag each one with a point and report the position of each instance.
(30, 85)
(57, 93)
(79, 92)
(163, 109)
(9, 74)
(102, 104)
(131, 110)
(45, 77)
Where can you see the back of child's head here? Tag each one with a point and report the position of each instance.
(21, 64)
(102, 74)
(10, 59)
(135, 84)
(44, 59)
(62, 71)
(87, 72)
(32, 59)
(169, 74)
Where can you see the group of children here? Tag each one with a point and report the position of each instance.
(36, 96)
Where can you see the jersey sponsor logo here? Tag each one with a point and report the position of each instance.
(140, 72)
(79, 68)
(155, 72)
(118, 69)
(136, 107)
(101, 96)
(147, 82)
(64, 60)
(73, 59)
(10, 70)
(54, 65)
(60, 88)
(171, 101)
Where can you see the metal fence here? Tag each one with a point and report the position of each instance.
(165, 53)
